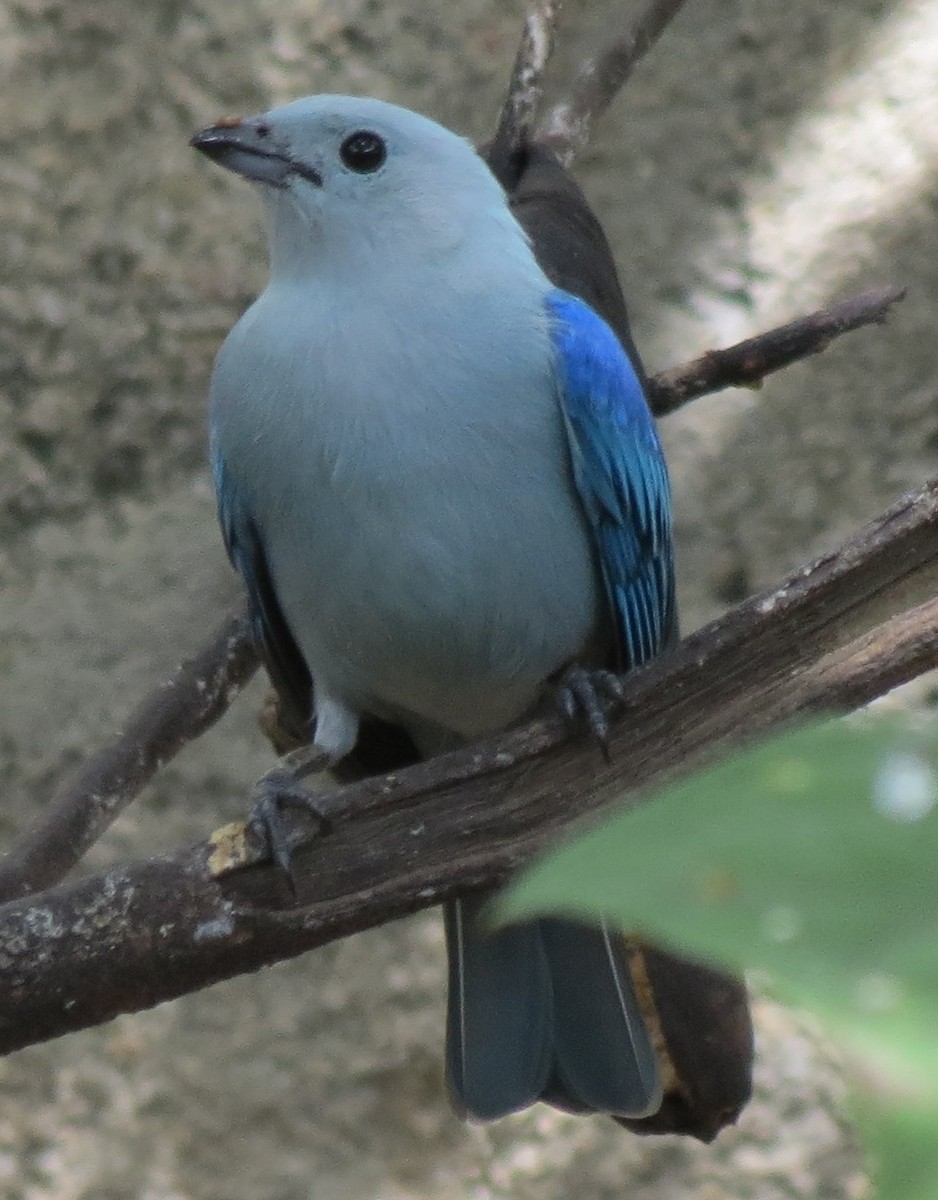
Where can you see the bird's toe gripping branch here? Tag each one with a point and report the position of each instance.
(591, 695)
(281, 788)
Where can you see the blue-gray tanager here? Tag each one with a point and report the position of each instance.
(439, 478)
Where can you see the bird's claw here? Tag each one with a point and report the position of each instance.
(591, 694)
(280, 788)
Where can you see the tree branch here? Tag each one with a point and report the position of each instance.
(747, 363)
(567, 130)
(172, 715)
(181, 709)
(524, 88)
(895, 652)
(137, 935)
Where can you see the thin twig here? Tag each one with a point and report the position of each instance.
(747, 363)
(519, 111)
(172, 715)
(567, 129)
(82, 953)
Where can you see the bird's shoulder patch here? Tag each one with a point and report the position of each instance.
(620, 475)
(595, 370)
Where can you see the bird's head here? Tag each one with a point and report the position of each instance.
(340, 174)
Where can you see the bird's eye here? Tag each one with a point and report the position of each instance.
(363, 151)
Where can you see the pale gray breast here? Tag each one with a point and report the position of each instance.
(411, 482)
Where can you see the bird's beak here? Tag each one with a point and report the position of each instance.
(248, 148)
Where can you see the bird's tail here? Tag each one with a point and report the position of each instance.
(545, 1010)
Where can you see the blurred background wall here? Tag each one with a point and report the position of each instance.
(764, 159)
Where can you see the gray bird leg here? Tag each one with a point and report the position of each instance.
(280, 788)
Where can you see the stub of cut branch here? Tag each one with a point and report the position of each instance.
(826, 639)
(567, 129)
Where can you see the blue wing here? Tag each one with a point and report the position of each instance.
(620, 475)
(272, 636)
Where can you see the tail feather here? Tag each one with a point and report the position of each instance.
(544, 1010)
(499, 1020)
(603, 1052)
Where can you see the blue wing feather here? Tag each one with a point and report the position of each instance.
(620, 475)
(272, 636)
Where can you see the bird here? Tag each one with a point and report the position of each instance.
(439, 478)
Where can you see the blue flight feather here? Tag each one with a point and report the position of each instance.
(620, 475)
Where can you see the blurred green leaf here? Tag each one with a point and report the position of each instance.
(901, 1139)
(813, 858)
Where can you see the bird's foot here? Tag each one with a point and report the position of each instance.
(281, 788)
(590, 694)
